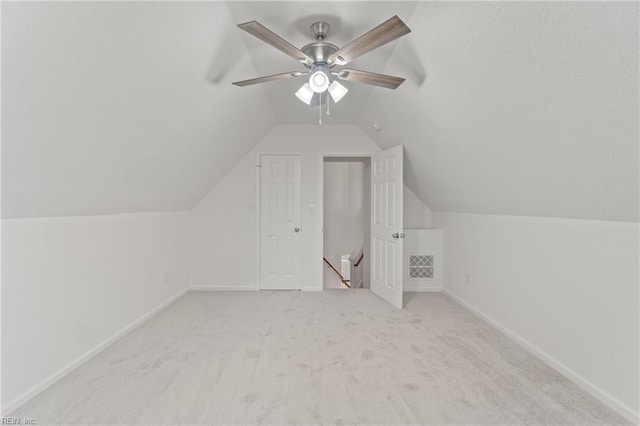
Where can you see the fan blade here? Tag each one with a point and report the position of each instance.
(384, 33)
(269, 78)
(263, 33)
(382, 80)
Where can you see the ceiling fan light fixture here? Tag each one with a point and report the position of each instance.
(305, 93)
(319, 81)
(337, 91)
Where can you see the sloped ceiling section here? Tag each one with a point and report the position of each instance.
(523, 108)
(517, 108)
(121, 107)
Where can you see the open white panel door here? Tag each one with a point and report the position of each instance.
(386, 225)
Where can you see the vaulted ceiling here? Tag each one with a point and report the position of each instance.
(508, 108)
(108, 107)
(523, 108)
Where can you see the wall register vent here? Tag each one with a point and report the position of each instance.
(420, 266)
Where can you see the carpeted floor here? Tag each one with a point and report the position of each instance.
(340, 357)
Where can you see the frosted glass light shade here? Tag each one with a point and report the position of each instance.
(319, 81)
(337, 91)
(305, 94)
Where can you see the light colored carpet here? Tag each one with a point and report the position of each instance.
(305, 358)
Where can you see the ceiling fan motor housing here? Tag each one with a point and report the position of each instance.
(320, 52)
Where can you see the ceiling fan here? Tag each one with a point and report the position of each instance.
(321, 57)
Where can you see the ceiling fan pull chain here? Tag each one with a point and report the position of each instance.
(328, 102)
(320, 109)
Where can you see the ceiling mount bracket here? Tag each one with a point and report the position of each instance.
(320, 30)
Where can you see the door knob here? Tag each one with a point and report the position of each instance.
(396, 235)
(296, 229)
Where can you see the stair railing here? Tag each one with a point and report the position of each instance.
(342, 280)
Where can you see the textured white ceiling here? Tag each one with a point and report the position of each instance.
(518, 108)
(509, 108)
(107, 107)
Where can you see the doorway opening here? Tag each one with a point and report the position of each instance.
(347, 222)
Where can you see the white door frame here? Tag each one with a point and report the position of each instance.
(258, 208)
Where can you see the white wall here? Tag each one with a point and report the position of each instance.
(568, 289)
(416, 214)
(223, 232)
(424, 242)
(223, 225)
(69, 284)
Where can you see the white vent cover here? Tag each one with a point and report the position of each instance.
(420, 266)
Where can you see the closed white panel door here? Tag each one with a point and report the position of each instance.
(280, 229)
(386, 225)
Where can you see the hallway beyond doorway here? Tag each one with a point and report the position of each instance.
(346, 230)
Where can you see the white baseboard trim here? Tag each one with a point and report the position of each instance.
(50, 380)
(223, 288)
(594, 390)
(250, 287)
(419, 289)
